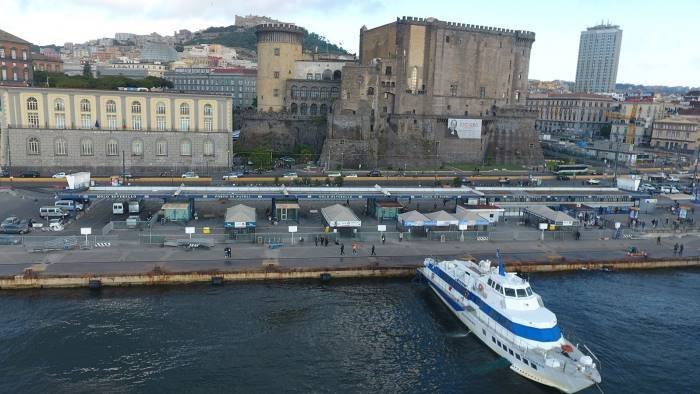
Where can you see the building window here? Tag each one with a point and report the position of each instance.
(161, 148)
(160, 108)
(85, 121)
(32, 104)
(517, 95)
(208, 148)
(33, 146)
(135, 107)
(276, 75)
(309, 76)
(295, 92)
(86, 148)
(84, 105)
(2, 52)
(370, 91)
(294, 108)
(112, 147)
(137, 147)
(303, 109)
(60, 121)
(13, 53)
(33, 120)
(184, 123)
(60, 147)
(323, 109)
(136, 122)
(276, 51)
(208, 123)
(453, 90)
(314, 93)
(3, 74)
(160, 123)
(24, 54)
(111, 122)
(184, 109)
(185, 148)
(275, 92)
(111, 107)
(482, 92)
(335, 92)
(59, 105)
(303, 92)
(313, 109)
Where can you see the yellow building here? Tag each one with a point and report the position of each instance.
(46, 128)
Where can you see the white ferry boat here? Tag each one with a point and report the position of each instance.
(501, 309)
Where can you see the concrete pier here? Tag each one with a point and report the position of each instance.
(157, 277)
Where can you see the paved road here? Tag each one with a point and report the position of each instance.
(134, 258)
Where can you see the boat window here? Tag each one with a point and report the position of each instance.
(529, 291)
(499, 342)
(517, 356)
(534, 366)
(521, 293)
(490, 282)
(510, 351)
(493, 339)
(525, 361)
(510, 292)
(498, 288)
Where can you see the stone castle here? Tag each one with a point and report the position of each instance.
(395, 104)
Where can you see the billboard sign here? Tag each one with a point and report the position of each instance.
(465, 128)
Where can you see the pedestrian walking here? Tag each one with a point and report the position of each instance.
(326, 241)
(680, 250)
(400, 237)
(667, 221)
(373, 253)
(316, 240)
(675, 248)
(342, 249)
(354, 249)
(658, 240)
(383, 239)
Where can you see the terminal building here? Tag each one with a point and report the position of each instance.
(147, 133)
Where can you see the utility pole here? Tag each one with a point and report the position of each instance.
(695, 172)
(617, 152)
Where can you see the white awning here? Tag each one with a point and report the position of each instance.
(340, 216)
(442, 218)
(414, 219)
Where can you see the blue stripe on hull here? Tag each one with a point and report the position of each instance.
(534, 334)
(452, 303)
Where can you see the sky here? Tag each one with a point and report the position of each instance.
(659, 41)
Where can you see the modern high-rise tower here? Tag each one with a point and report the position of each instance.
(598, 57)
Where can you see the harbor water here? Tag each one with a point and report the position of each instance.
(343, 336)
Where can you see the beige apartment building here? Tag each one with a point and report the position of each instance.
(65, 129)
(676, 134)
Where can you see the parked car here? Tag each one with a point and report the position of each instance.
(465, 181)
(190, 174)
(232, 175)
(165, 174)
(593, 181)
(669, 189)
(4, 173)
(5, 240)
(52, 212)
(504, 181)
(563, 177)
(30, 174)
(374, 173)
(59, 175)
(21, 227)
(673, 178)
(351, 175)
(290, 175)
(9, 221)
(334, 174)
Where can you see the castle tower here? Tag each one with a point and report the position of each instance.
(279, 46)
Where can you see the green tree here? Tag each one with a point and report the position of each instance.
(261, 158)
(87, 70)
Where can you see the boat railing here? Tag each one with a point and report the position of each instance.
(590, 353)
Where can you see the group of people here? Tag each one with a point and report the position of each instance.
(678, 249)
(356, 249)
(322, 240)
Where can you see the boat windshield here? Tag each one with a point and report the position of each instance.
(510, 292)
(521, 293)
(529, 291)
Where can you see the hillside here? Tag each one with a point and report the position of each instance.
(233, 36)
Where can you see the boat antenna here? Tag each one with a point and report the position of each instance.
(501, 267)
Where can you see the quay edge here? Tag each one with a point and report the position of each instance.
(34, 281)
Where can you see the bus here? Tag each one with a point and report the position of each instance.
(571, 169)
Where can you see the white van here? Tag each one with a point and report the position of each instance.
(52, 212)
(69, 205)
(119, 208)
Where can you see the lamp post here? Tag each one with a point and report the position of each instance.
(123, 168)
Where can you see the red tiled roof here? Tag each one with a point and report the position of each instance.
(234, 70)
